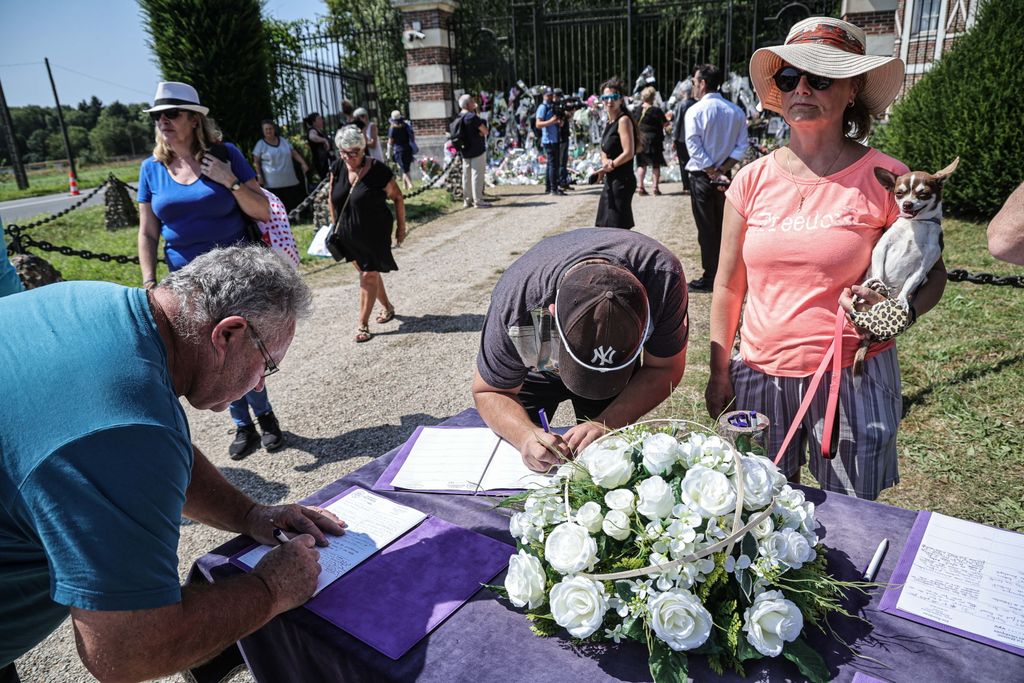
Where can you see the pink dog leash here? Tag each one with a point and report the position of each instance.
(835, 355)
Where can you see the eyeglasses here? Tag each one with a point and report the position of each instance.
(788, 77)
(352, 153)
(171, 114)
(269, 366)
(611, 98)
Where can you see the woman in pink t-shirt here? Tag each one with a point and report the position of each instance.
(797, 237)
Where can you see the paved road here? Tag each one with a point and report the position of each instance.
(21, 210)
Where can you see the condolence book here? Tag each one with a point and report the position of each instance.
(391, 593)
(465, 460)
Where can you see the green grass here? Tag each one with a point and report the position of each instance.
(961, 442)
(51, 181)
(83, 229)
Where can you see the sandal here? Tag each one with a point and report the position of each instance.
(641, 191)
(363, 334)
(386, 315)
(657, 192)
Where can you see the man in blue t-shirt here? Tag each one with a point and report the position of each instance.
(97, 467)
(549, 125)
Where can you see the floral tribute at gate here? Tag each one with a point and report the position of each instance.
(676, 540)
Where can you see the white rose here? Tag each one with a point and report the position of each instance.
(788, 547)
(763, 528)
(608, 462)
(525, 581)
(771, 621)
(570, 549)
(524, 527)
(578, 605)
(616, 525)
(656, 499)
(758, 482)
(708, 492)
(620, 499)
(589, 515)
(717, 454)
(679, 619)
(660, 452)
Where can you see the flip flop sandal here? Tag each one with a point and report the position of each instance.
(363, 334)
(642, 191)
(385, 316)
(657, 192)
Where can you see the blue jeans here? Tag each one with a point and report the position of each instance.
(257, 400)
(551, 150)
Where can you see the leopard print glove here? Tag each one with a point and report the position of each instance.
(886, 319)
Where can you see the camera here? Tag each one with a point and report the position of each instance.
(567, 106)
(411, 36)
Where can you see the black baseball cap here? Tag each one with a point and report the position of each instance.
(603, 320)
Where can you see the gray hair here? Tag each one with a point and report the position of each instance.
(350, 137)
(246, 280)
(463, 99)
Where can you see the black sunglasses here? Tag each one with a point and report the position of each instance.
(788, 77)
(171, 114)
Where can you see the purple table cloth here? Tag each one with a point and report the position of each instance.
(488, 640)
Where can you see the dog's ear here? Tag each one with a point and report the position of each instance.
(886, 177)
(948, 171)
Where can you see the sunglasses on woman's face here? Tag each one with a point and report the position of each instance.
(352, 153)
(611, 97)
(788, 77)
(171, 114)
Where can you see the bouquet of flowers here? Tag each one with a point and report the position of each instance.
(674, 539)
(430, 168)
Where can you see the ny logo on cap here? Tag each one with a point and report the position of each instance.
(603, 356)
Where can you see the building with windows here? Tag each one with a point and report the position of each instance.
(917, 31)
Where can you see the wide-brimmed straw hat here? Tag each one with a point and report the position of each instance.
(833, 48)
(172, 95)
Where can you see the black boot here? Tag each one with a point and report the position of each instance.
(246, 441)
(272, 439)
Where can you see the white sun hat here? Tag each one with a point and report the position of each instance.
(172, 95)
(833, 48)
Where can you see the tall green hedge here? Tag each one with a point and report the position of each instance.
(218, 47)
(970, 104)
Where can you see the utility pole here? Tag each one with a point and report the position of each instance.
(12, 145)
(63, 128)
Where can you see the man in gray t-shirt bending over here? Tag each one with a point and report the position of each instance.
(596, 316)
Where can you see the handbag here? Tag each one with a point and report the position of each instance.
(333, 241)
(412, 140)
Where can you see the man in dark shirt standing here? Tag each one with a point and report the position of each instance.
(550, 124)
(686, 100)
(474, 157)
(596, 316)
(564, 131)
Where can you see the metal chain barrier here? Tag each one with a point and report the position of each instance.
(960, 275)
(435, 181)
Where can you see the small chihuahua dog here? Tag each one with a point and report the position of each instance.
(903, 256)
(910, 247)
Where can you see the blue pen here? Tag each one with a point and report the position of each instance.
(544, 420)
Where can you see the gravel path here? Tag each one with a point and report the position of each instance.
(341, 403)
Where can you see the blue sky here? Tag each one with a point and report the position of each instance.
(95, 47)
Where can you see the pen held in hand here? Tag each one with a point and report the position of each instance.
(876, 560)
(544, 420)
(281, 536)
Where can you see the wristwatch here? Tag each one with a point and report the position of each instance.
(235, 186)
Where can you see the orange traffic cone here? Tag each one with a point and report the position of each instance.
(73, 184)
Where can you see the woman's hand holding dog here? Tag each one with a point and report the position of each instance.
(865, 299)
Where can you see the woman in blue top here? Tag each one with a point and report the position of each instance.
(197, 202)
(402, 145)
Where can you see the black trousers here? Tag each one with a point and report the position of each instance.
(547, 391)
(683, 155)
(8, 674)
(554, 156)
(708, 210)
(563, 162)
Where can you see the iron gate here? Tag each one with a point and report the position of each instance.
(581, 43)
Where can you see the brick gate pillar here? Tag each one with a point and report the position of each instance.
(427, 34)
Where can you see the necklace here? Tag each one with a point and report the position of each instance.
(789, 166)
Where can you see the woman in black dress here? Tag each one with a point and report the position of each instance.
(618, 144)
(360, 188)
(651, 127)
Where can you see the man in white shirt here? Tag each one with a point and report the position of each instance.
(716, 138)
